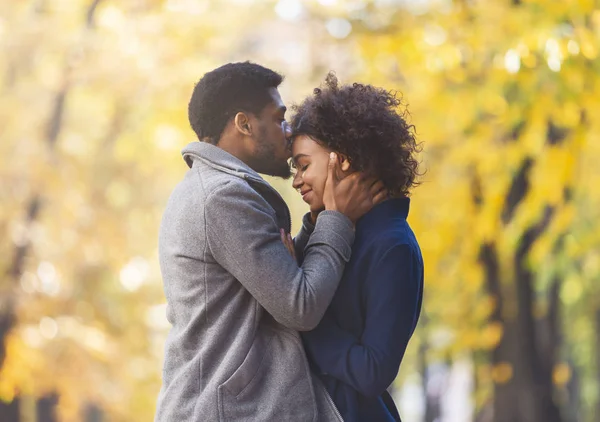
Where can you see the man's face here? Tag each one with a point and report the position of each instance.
(271, 150)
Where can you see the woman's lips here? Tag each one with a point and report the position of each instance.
(305, 195)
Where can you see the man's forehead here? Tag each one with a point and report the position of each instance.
(276, 97)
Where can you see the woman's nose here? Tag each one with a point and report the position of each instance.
(297, 182)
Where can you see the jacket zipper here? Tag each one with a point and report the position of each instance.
(330, 400)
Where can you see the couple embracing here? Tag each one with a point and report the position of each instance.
(266, 327)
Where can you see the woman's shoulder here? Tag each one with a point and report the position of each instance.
(397, 233)
(375, 244)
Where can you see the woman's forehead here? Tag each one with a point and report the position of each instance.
(306, 145)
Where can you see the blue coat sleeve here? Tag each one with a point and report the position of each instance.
(370, 364)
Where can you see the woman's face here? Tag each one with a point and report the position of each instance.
(311, 162)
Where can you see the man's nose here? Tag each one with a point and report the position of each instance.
(287, 130)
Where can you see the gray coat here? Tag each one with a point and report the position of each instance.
(237, 299)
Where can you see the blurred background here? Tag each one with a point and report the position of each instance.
(505, 96)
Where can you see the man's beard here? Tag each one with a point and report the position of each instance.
(266, 162)
(284, 172)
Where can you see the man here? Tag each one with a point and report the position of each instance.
(236, 297)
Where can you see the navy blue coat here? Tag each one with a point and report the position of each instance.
(358, 346)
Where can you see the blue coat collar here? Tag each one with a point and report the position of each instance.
(391, 208)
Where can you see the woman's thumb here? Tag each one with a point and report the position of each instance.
(332, 163)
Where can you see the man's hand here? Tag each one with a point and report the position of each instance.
(354, 195)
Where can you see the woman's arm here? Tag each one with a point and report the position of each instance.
(370, 364)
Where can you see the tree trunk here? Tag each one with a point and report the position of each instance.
(527, 394)
(523, 389)
(432, 402)
(46, 408)
(537, 378)
(93, 413)
(9, 412)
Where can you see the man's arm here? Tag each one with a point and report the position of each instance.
(370, 364)
(245, 240)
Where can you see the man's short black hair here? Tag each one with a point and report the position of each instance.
(224, 92)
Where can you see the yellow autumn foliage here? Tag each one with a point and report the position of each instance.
(93, 116)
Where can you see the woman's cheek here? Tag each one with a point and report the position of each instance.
(322, 179)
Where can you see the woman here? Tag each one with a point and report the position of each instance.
(357, 348)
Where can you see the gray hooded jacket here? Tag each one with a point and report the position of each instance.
(236, 298)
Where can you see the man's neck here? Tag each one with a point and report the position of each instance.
(235, 147)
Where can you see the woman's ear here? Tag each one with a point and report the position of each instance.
(344, 168)
(344, 162)
(241, 122)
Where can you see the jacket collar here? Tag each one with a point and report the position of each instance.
(219, 159)
(383, 212)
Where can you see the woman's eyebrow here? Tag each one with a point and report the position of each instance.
(298, 156)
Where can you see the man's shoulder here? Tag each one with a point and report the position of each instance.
(223, 189)
(213, 181)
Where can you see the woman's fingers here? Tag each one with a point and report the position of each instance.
(291, 245)
(288, 242)
(284, 239)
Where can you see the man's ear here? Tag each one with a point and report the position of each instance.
(241, 122)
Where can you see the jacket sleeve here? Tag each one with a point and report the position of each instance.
(244, 239)
(370, 364)
(303, 236)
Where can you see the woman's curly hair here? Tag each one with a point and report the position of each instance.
(363, 123)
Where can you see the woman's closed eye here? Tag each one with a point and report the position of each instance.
(297, 167)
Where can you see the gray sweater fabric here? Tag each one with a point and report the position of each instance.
(236, 299)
